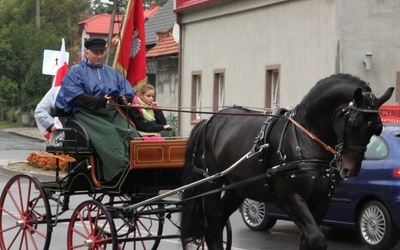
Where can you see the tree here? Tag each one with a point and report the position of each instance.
(97, 7)
(22, 44)
(147, 3)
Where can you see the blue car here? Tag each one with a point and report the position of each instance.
(369, 203)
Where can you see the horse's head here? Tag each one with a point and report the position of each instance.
(354, 126)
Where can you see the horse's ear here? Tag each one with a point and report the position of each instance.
(358, 97)
(386, 96)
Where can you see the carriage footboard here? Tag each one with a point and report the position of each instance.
(157, 154)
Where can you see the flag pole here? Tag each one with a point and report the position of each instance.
(126, 19)
(111, 31)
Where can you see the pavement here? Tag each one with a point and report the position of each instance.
(30, 132)
(22, 167)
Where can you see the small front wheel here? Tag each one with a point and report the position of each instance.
(376, 228)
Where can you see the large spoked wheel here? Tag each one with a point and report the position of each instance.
(376, 228)
(25, 215)
(140, 229)
(91, 227)
(255, 215)
(200, 244)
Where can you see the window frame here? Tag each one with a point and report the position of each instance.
(272, 86)
(196, 97)
(219, 89)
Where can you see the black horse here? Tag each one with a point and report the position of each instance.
(311, 149)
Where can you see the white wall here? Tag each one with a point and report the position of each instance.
(309, 39)
(370, 26)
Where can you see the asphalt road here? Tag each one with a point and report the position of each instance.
(284, 235)
(14, 148)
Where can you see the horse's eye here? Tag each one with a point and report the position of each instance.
(357, 121)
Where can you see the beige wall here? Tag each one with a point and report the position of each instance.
(309, 39)
(370, 26)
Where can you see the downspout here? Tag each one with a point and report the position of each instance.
(178, 21)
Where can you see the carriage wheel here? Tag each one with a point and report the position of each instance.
(200, 244)
(91, 227)
(137, 232)
(25, 215)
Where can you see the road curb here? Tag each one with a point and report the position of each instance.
(6, 171)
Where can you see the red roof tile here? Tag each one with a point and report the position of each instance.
(165, 46)
(154, 8)
(100, 24)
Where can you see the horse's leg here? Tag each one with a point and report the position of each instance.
(311, 236)
(318, 213)
(217, 211)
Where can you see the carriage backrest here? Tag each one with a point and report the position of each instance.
(77, 136)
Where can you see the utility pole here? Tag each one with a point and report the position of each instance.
(38, 13)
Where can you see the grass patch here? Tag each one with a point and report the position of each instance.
(9, 124)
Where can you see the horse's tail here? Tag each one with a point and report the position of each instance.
(192, 218)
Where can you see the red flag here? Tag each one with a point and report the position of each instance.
(62, 68)
(130, 58)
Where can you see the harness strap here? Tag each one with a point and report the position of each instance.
(297, 165)
(282, 157)
(298, 148)
(326, 146)
(303, 165)
(224, 188)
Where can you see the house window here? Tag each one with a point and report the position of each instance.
(219, 89)
(196, 96)
(272, 80)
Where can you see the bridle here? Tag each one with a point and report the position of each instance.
(349, 113)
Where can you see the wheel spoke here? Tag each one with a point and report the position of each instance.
(25, 214)
(98, 230)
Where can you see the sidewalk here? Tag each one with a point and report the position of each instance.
(16, 168)
(30, 132)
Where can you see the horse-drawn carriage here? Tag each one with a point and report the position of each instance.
(103, 221)
(302, 154)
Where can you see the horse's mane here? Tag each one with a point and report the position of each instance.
(343, 78)
(335, 88)
(235, 109)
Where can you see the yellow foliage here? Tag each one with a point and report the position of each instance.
(47, 163)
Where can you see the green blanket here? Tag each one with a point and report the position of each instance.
(110, 135)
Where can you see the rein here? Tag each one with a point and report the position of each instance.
(327, 147)
(312, 136)
(265, 113)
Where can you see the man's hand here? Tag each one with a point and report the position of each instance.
(108, 97)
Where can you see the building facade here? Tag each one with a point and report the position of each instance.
(269, 53)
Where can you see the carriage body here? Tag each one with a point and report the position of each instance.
(153, 164)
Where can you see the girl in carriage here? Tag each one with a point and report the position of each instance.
(149, 120)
